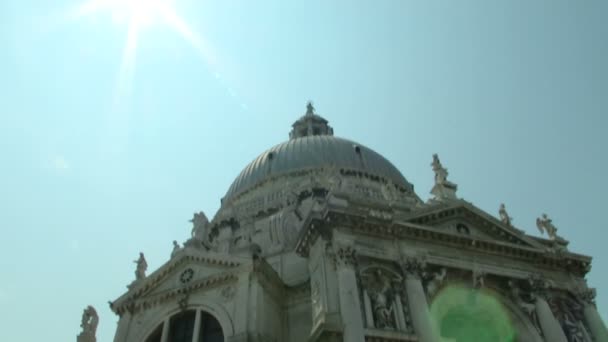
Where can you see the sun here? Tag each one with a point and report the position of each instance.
(138, 15)
(140, 12)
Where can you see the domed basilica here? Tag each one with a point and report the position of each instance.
(320, 238)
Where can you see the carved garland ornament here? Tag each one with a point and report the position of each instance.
(346, 256)
(587, 296)
(414, 267)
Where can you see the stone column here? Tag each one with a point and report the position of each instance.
(124, 324)
(164, 337)
(592, 317)
(424, 326)
(350, 305)
(197, 326)
(551, 328)
(549, 325)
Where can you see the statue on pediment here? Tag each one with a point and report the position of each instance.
(443, 189)
(545, 225)
(176, 248)
(441, 173)
(142, 266)
(199, 226)
(89, 322)
(504, 216)
(200, 232)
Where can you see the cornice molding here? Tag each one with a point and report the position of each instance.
(331, 218)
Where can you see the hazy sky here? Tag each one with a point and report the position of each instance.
(107, 152)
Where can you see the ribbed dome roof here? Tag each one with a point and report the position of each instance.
(314, 152)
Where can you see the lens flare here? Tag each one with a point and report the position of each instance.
(465, 314)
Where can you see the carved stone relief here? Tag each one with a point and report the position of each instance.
(315, 297)
(525, 301)
(345, 256)
(384, 299)
(569, 313)
(434, 281)
(414, 267)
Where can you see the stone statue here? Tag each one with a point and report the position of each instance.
(310, 109)
(142, 266)
(478, 279)
(89, 322)
(380, 302)
(441, 173)
(526, 306)
(380, 297)
(435, 282)
(504, 216)
(176, 248)
(545, 224)
(443, 189)
(200, 224)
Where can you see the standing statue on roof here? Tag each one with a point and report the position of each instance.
(199, 226)
(545, 225)
(200, 231)
(441, 173)
(310, 109)
(176, 248)
(89, 322)
(142, 266)
(443, 189)
(504, 216)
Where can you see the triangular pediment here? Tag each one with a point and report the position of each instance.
(465, 219)
(190, 269)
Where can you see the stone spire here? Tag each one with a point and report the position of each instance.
(310, 124)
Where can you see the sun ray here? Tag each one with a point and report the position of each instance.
(179, 25)
(127, 65)
(139, 15)
(88, 8)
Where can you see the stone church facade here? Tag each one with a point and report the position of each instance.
(323, 239)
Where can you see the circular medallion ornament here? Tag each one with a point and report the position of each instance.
(186, 276)
(228, 292)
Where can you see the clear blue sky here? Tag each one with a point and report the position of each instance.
(101, 160)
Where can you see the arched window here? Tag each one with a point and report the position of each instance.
(189, 326)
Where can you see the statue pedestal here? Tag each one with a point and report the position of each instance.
(86, 337)
(444, 190)
(196, 244)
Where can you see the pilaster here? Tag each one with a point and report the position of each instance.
(549, 325)
(350, 305)
(424, 326)
(592, 317)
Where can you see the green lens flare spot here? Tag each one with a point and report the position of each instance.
(463, 314)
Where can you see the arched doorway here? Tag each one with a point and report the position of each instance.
(464, 314)
(188, 326)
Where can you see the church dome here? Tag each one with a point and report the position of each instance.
(312, 146)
